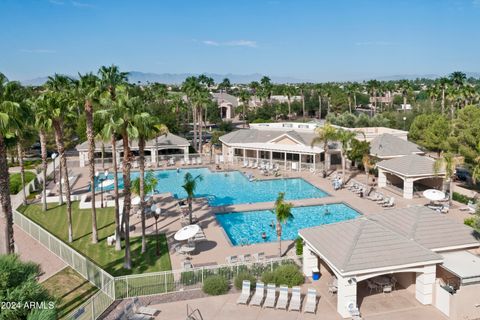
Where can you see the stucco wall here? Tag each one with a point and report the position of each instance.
(465, 304)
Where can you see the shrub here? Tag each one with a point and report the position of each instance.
(215, 285)
(469, 222)
(16, 181)
(268, 277)
(461, 198)
(289, 275)
(299, 246)
(244, 276)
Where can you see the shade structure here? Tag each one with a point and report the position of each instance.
(434, 195)
(136, 201)
(187, 232)
(106, 183)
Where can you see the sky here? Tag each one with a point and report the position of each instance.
(306, 39)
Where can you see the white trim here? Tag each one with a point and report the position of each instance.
(431, 175)
(454, 248)
(287, 136)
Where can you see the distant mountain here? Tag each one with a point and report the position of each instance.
(177, 78)
(420, 76)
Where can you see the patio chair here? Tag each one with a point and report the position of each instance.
(182, 162)
(186, 265)
(383, 200)
(255, 166)
(259, 295)
(387, 289)
(283, 298)
(259, 256)
(245, 295)
(390, 203)
(372, 286)
(311, 304)
(332, 289)
(247, 258)
(353, 310)
(231, 259)
(199, 160)
(295, 300)
(271, 296)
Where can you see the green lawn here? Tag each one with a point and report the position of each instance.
(55, 220)
(16, 181)
(70, 288)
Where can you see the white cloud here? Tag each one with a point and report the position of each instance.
(232, 43)
(82, 4)
(37, 51)
(376, 43)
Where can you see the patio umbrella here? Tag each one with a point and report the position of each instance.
(106, 183)
(187, 232)
(434, 195)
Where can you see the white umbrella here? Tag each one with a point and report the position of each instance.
(434, 195)
(136, 201)
(106, 183)
(187, 232)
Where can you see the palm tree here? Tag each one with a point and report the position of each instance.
(448, 162)
(443, 85)
(368, 164)
(9, 116)
(59, 106)
(345, 137)
(190, 185)
(324, 135)
(192, 86)
(225, 85)
(88, 90)
(372, 88)
(266, 84)
(244, 98)
(405, 87)
(283, 213)
(111, 78)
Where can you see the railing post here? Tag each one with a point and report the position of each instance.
(126, 280)
(202, 274)
(166, 285)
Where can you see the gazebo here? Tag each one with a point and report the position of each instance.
(409, 173)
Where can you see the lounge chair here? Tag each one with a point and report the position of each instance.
(245, 164)
(255, 166)
(259, 295)
(199, 160)
(390, 203)
(147, 312)
(187, 265)
(387, 289)
(295, 300)
(245, 295)
(231, 259)
(311, 304)
(182, 162)
(271, 296)
(471, 207)
(259, 256)
(283, 298)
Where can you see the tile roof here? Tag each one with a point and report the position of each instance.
(387, 145)
(411, 165)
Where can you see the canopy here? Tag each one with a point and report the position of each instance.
(434, 195)
(106, 183)
(187, 232)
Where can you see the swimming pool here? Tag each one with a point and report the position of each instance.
(226, 188)
(247, 227)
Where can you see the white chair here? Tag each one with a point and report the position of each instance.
(390, 203)
(245, 164)
(271, 296)
(245, 295)
(295, 300)
(311, 304)
(199, 160)
(387, 289)
(259, 294)
(231, 259)
(282, 298)
(259, 256)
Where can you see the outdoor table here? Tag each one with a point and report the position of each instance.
(382, 280)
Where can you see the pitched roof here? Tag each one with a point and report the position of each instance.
(388, 145)
(362, 244)
(428, 228)
(226, 97)
(411, 165)
(165, 140)
(264, 136)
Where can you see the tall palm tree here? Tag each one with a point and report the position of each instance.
(244, 96)
(192, 86)
(368, 164)
(111, 77)
(405, 87)
(289, 91)
(60, 108)
(87, 89)
(190, 185)
(448, 162)
(443, 84)
(324, 135)
(283, 213)
(345, 137)
(372, 88)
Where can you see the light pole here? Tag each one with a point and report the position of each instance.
(101, 179)
(404, 123)
(54, 156)
(156, 215)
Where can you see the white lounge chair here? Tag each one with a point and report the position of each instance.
(231, 259)
(311, 304)
(245, 164)
(283, 298)
(199, 160)
(259, 294)
(255, 166)
(295, 300)
(259, 256)
(187, 161)
(271, 296)
(245, 295)
(390, 203)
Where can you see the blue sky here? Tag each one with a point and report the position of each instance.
(317, 40)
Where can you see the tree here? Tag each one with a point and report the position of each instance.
(324, 135)
(443, 85)
(405, 87)
(190, 185)
(368, 164)
(289, 91)
(191, 86)
(111, 78)
(283, 213)
(372, 88)
(430, 131)
(448, 163)
(476, 166)
(244, 98)
(345, 137)
(88, 90)
(225, 85)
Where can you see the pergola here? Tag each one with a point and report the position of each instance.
(405, 242)
(403, 172)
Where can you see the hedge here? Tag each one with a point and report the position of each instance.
(215, 285)
(462, 198)
(16, 181)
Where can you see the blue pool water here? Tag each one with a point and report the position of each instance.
(247, 227)
(229, 188)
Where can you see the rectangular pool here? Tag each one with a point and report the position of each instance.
(244, 228)
(227, 188)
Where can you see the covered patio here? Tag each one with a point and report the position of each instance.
(409, 174)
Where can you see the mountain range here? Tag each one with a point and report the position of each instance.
(177, 78)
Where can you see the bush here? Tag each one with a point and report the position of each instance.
(244, 276)
(16, 181)
(299, 246)
(188, 278)
(469, 222)
(215, 285)
(461, 198)
(288, 274)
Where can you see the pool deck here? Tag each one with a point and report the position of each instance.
(217, 247)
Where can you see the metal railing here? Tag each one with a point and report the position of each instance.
(281, 164)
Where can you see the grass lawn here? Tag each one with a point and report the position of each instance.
(55, 221)
(16, 181)
(70, 288)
